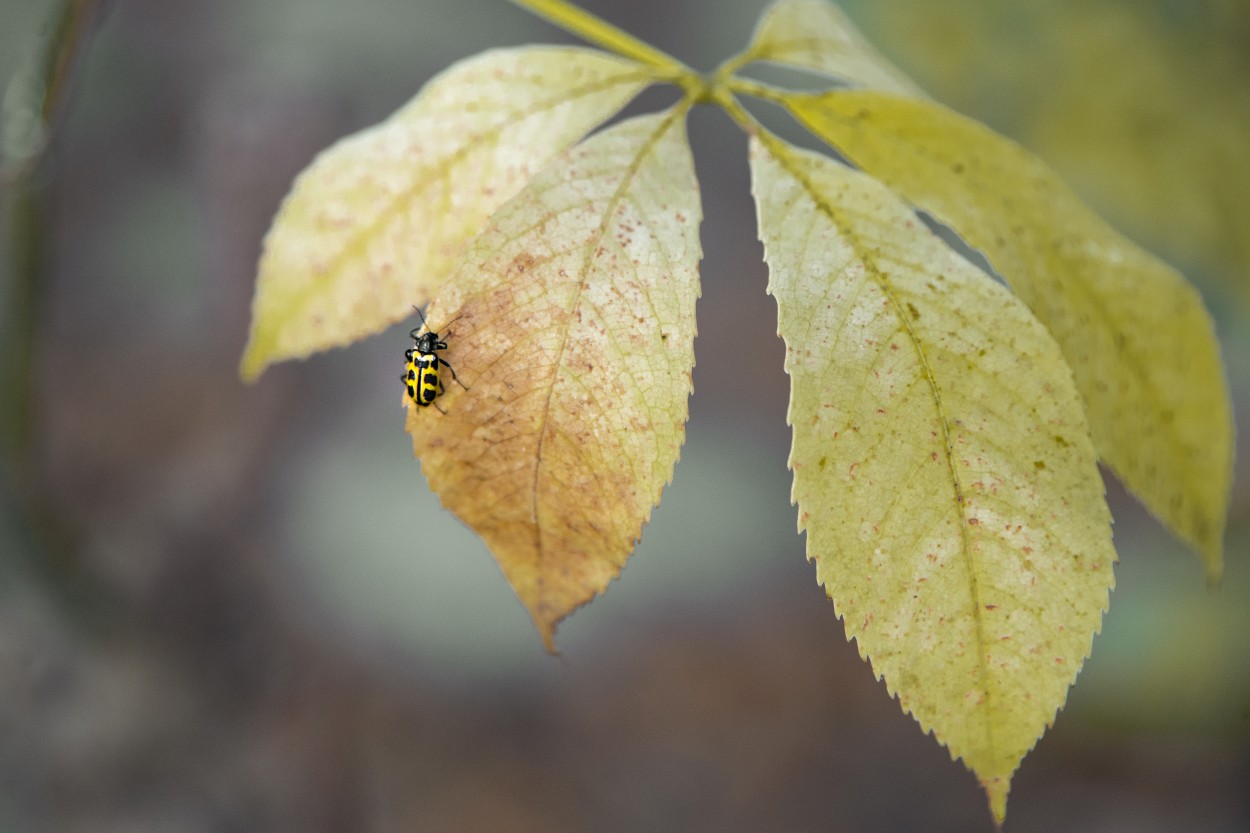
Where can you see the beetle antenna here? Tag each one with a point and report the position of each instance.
(412, 334)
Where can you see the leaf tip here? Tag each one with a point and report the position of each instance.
(1207, 542)
(252, 364)
(1215, 568)
(547, 630)
(996, 789)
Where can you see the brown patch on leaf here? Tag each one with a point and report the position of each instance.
(572, 421)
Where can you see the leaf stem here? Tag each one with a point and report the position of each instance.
(721, 96)
(724, 72)
(598, 31)
(758, 89)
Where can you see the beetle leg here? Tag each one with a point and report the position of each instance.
(454, 377)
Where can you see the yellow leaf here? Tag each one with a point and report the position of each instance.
(815, 35)
(1139, 341)
(942, 462)
(574, 330)
(1142, 110)
(378, 222)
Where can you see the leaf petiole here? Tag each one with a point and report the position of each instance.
(757, 89)
(598, 31)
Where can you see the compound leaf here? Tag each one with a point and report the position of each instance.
(942, 462)
(378, 221)
(1136, 335)
(574, 333)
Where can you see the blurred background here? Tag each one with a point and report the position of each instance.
(216, 611)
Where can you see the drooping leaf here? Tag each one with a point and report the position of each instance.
(942, 462)
(378, 221)
(815, 35)
(574, 329)
(1136, 334)
(1142, 110)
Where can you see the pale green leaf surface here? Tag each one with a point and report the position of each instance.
(378, 221)
(1137, 336)
(573, 331)
(815, 35)
(942, 462)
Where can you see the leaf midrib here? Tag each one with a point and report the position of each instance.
(591, 247)
(779, 152)
(1132, 360)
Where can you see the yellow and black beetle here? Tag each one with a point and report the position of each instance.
(421, 375)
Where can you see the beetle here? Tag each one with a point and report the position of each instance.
(421, 375)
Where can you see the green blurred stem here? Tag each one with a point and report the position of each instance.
(28, 246)
(29, 175)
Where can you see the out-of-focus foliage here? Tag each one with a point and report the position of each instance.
(1144, 107)
(817, 36)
